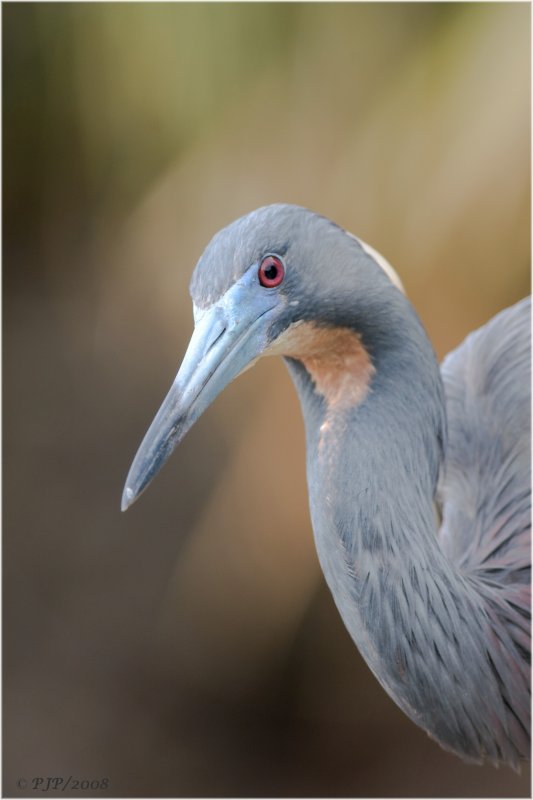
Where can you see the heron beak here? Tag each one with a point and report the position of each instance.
(227, 339)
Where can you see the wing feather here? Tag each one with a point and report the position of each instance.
(485, 495)
(485, 487)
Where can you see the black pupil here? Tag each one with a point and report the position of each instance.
(271, 272)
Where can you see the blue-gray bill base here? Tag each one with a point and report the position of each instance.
(440, 614)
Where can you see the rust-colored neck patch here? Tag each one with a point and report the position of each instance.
(335, 358)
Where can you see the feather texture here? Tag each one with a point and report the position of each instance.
(485, 492)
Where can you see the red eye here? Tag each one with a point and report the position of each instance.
(271, 271)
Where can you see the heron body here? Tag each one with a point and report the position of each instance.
(440, 614)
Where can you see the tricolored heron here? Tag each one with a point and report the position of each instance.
(439, 610)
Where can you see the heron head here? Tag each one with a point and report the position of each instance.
(264, 286)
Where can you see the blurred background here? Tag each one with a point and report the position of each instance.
(190, 647)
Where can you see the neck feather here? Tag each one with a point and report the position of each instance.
(372, 461)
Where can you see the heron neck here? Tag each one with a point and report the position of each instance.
(373, 466)
(374, 463)
(372, 472)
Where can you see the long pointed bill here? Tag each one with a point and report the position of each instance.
(228, 338)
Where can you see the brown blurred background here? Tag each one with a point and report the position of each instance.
(190, 647)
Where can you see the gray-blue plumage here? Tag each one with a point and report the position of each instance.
(485, 491)
(441, 617)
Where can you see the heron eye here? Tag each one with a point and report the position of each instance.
(271, 272)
